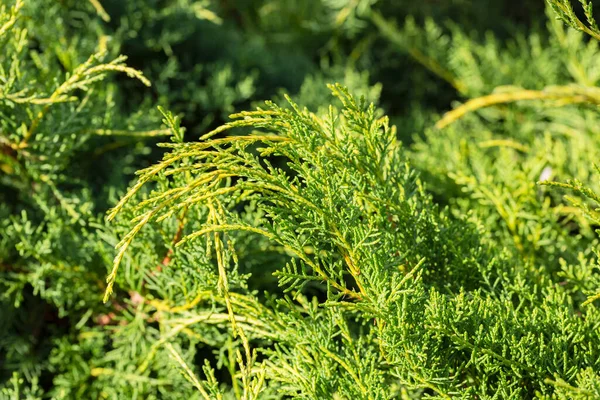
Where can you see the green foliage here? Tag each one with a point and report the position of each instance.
(57, 104)
(565, 12)
(581, 190)
(308, 248)
(410, 285)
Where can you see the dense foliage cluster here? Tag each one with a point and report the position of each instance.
(412, 215)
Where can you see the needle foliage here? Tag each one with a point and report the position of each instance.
(343, 240)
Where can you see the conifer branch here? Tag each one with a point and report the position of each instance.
(12, 16)
(391, 32)
(565, 12)
(80, 79)
(565, 95)
(100, 10)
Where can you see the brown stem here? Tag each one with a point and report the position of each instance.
(167, 259)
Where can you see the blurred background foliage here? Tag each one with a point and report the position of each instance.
(208, 59)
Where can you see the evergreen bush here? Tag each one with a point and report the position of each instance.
(314, 247)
